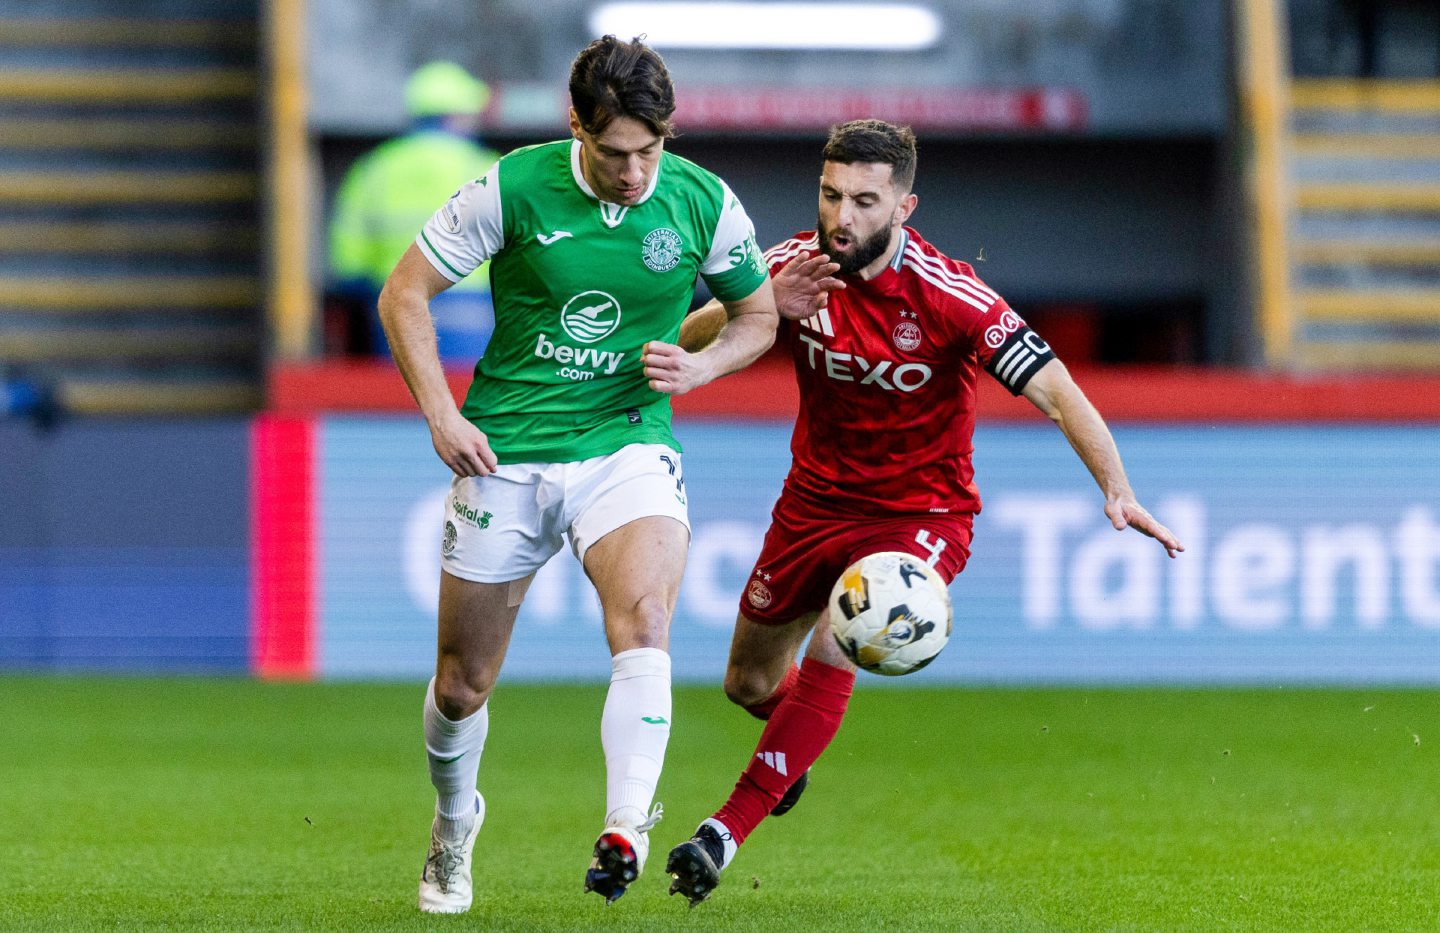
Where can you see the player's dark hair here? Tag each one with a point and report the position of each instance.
(875, 141)
(611, 78)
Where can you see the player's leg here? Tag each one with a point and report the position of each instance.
(476, 621)
(801, 557)
(778, 608)
(759, 677)
(801, 728)
(636, 570)
(631, 535)
(807, 719)
(488, 561)
(762, 672)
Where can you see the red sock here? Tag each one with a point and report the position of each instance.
(766, 707)
(801, 728)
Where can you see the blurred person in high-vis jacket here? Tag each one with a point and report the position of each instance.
(390, 192)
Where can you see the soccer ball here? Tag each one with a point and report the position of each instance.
(890, 613)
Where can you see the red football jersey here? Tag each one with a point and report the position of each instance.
(887, 376)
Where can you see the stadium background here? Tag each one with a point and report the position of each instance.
(1223, 216)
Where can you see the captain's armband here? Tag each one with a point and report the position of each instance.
(1019, 356)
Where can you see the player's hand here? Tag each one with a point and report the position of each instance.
(464, 447)
(803, 286)
(1127, 513)
(673, 370)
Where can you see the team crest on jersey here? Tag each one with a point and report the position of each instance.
(759, 595)
(590, 316)
(906, 336)
(661, 249)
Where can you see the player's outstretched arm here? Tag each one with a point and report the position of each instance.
(405, 315)
(1054, 392)
(748, 332)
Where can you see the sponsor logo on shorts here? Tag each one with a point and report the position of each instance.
(471, 516)
(759, 595)
(661, 249)
(451, 533)
(906, 336)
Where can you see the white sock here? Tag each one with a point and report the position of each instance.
(634, 731)
(724, 831)
(453, 750)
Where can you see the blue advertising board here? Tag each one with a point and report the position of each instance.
(124, 546)
(1312, 556)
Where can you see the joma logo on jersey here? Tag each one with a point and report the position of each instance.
(848, 367)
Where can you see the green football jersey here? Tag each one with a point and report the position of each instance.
(580, 285)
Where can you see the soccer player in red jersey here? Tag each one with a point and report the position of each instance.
(887, 355)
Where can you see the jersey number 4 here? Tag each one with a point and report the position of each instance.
(932, 543)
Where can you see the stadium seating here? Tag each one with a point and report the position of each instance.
(129, 204)
(1365, 224)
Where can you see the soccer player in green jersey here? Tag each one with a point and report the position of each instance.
(594, 245)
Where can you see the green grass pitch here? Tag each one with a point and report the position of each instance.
(235, 805)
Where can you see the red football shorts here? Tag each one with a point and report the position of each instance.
(808, 547)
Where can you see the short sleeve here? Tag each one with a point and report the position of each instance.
(733, 268)
(466, 230)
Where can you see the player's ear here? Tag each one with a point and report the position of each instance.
(574, 123)
(905, 208)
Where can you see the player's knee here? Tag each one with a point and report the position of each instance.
(459, 693)
(649, 620)
(747, 687)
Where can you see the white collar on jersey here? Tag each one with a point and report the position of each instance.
(612, 214)
(898, 259)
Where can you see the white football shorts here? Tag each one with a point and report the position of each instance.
(505, 526)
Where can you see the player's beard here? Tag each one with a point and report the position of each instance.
(861, 254)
